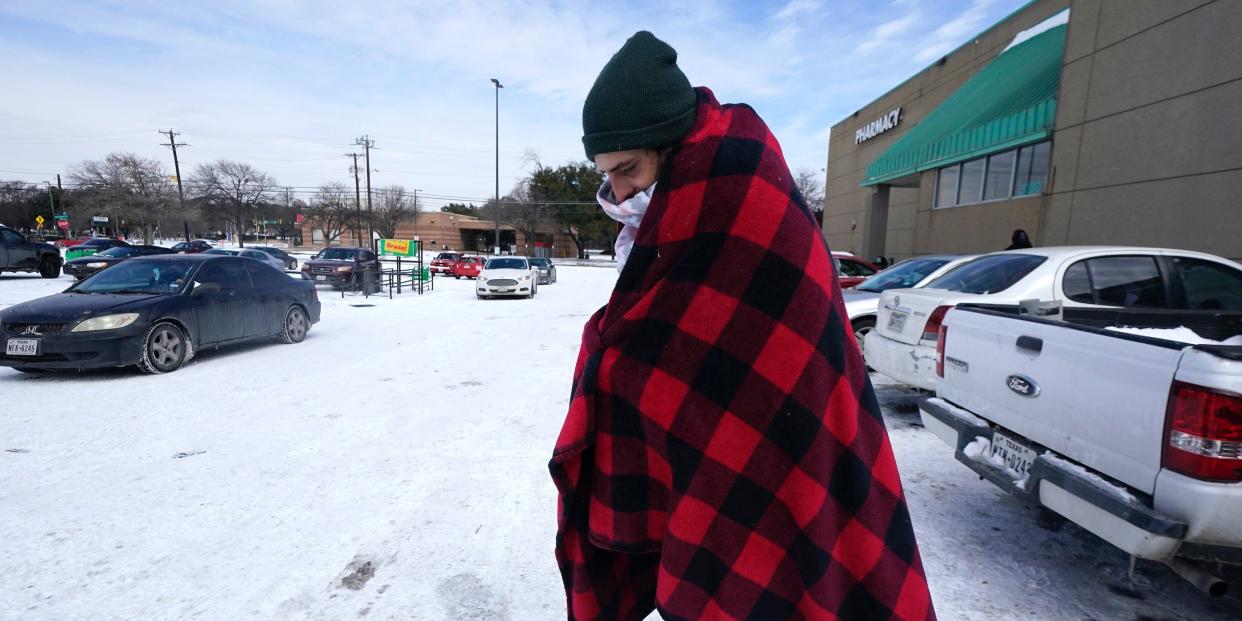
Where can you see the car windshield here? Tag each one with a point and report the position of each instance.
(139, 276)
(272, 251)
(444, 256)
(337, 254)
(990, 274)
(221, 251)
(506, 264)
(901, 276)
(541, 262)
(119, 251)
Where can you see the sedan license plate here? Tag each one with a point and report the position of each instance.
(321, 278)
(1014, 454)
(22, 347)
(897, 321)
(510, 290)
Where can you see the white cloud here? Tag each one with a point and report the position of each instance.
(886, 34)
(956, 31)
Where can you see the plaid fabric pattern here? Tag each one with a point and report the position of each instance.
(724, 456)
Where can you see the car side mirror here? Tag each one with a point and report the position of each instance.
(203, 288)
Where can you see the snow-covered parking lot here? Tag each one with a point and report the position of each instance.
(393, 466)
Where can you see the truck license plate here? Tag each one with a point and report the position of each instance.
(22, 347)
(897, 321)
(321, 278)
(1013, 453)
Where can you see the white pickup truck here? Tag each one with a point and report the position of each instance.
(1134, 438)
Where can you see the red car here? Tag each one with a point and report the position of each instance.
(468, 267)
(69, 242)
(443, 263)
(852, 270)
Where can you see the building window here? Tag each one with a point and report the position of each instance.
(946, 187)
(1032, 169)
(1000, 176)
(970, 188)
(1016, 172)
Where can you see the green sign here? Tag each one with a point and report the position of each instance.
(399, 247)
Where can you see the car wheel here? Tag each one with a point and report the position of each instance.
(480, 295)
(296, 325)
(164, 349)
(48, 267)
(862, 326)
(456, 277)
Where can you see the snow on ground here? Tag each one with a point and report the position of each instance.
(393, 466)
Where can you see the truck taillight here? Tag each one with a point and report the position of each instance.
(931, 331)
(941, 337)
(1203, 433)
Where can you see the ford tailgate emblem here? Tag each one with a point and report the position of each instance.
(1022, 385)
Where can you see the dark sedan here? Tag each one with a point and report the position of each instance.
(92, 246)
(192, 247)
(156, 312)
(87, 266)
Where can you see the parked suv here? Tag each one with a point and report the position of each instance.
(443, 263)
(546, 269)
(343, 267)
(18, 254)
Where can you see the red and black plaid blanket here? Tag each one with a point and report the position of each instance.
(724, 456)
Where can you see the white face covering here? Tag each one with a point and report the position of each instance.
(629, 213)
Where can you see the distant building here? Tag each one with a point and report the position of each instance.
(1079, 121)
(439, 230)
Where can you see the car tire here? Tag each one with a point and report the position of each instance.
(49, 268)
(862, 326)
(297, 324)
(481, 296)
(456, 277)
(164, 349)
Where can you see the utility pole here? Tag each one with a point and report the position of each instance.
(357, 195)
(172, 142)
(498, 87)
(416, 214)
(366, 143)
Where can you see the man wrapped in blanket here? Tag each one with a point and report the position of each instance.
(724, 456)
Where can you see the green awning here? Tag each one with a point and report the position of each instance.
(1010, 102)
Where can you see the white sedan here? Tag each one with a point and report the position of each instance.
(903, 343)
(862, 300)
(508, 276)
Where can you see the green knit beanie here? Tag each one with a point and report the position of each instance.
(641, 99)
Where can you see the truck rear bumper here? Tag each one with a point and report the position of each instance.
(1211, 511)
(909, 364)
(1107, 510)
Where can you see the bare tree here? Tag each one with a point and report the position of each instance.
(329, 211)
(524, 212)
(235, 188)
(393, 208)
(811, 187)
(131, 189)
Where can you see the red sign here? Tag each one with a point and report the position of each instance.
(63, 224)
(299, 218)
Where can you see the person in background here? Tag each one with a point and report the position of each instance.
(1019, 240)
(724, 455)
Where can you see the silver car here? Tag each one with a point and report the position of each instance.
(547, 271)
(862, 301)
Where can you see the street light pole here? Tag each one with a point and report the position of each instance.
(498, 87)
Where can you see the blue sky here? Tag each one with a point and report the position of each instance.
(288, 86)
